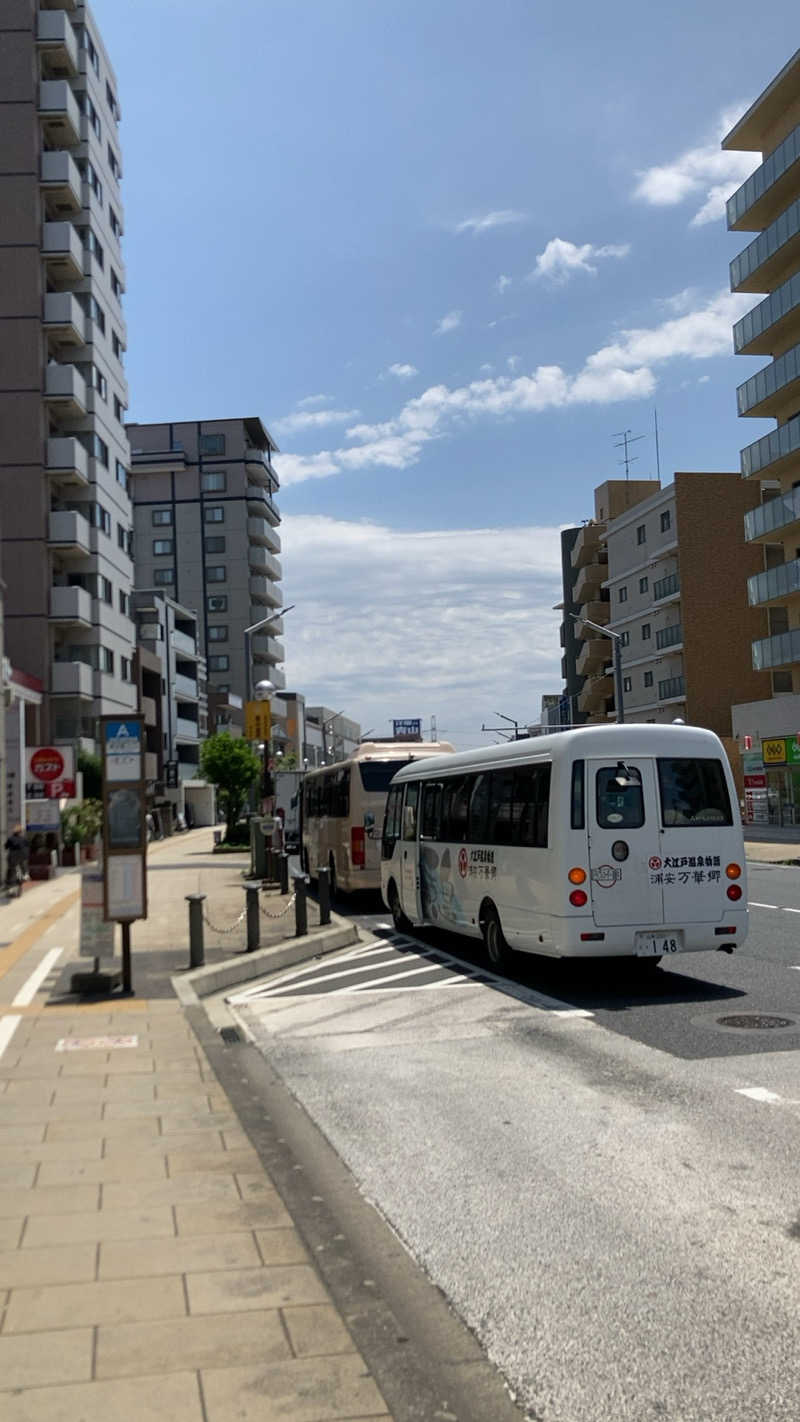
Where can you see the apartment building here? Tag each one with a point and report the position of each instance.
(676, 563)
(768, 204)
(205, 533)
(169, 632)
(65, 513)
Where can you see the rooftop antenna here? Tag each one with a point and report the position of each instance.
(658, 457)
(625, 440)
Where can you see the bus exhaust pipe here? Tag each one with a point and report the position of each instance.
(726, 947)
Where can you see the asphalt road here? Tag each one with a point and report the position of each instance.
(598, 1173)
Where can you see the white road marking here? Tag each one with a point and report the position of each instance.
(752, 904)
(790, 910)
(8, 1026)
(28, 992)
(277, 990)
(370, 949)
(393, 977)
(758, 1093)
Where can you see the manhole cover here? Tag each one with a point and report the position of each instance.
(755, 1021)
(230, 1035)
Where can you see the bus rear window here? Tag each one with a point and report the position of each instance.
(693, 793)
(620, 803)
(376, 775)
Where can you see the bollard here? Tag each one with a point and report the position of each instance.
(300, 906)
(197, 954)
(259, 856)
(284, 868)
(253, 921)
(324, 895)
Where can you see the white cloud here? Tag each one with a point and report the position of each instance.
(512, 362)
(479, 587)
(622, 370)
(311, 400)
(312, 420)
(487, 368)
(490, 220)
(560, 259)
(402, 370)
(705, 169)
(502, 284)
(448, 323)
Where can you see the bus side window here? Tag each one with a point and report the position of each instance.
(455, 803)
(501, 803)
(479, 810)
(531, 805)
(391, 821)
(431, 810)
(410, 812)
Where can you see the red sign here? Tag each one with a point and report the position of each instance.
(47, 764)
(755, 782)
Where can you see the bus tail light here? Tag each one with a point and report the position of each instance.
(733, 871)
(358, 847)
(578, 898)
(577, 876)
(734, 891)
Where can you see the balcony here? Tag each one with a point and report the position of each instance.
(55, 39)
(768, 260)
(265, 594)
(779, 651)
(276, 624)
(589, 582)
(158, 460)
(597, 611)
(260, 530)
(185, 644)
(60, 181)
(772, 451)
(762, 197)
(774, 584)
(186, 730)
(765, 329)
(277, 677)
(766, 393)
(595, 692)
(587, 544)
(266, 649)
(184, 687)
(68, 533)
(672, 689)
(68, 461)
(64, 318)
(775, 513)
(63, 251)
(71, 606)
(65, 390)
(71, 679)
(594, 655)
(263, 562)
(666, 590)
(671, 636)
(59, 113)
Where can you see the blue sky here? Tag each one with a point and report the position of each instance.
(446, 250)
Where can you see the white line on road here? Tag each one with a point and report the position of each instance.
(753, 904)
(790, 910)
(393, 977)
(758, 1093)
(29, 990)
(8, 1026)
(309, 970)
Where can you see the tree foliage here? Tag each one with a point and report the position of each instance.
(232, 766)
(92, 767)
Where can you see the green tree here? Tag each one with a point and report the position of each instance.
(232, 766)
(92, 768)
(287, 761)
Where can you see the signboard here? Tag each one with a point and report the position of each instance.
(42, 815)
(773, 752)
(123, 750)
(257, 721)
(125, 892)
(50, 773)
(97, 934)
(171, 774)
(777, 751)
(408, 730)
(124, 818)
(752, 764)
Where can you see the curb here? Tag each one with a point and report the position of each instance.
(190, 987)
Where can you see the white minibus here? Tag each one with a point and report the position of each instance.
(598, 841)
(343, 807)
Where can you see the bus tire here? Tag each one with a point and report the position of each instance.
(495, 946)
(401, 923)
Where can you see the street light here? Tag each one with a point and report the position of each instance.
(248, 633)
(616, 638)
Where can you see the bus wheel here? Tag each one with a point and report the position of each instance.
(401, 923)
(497, 950)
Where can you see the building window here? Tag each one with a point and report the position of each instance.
(643, 584)
(114, 163)
(106, 591)
(215, 483)
(627, 684)
(88, 44)
(96, 313)
(218, 634)
(99, 517)
(89, 175)
(218, 602)
(97, 448)
(648, 678)
(116, 345)
(625, 639)
(114, 223)
(93, 244)
(214, 513)
(162, 547)
(645, 631)
(125, 668)
(111, 100)
(212, 444)
(623, 594)
(106, 660)
(163, 577)
(781, 682)
(88, 109)
(123, 603)
(116, 285)
(641, 533)
(119, 409)
(120, 537)
(219, 663)
(666, 520)
(162, 518)
(215, 545)
(215, 575)
(123, 477)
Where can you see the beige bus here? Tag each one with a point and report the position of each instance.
(343, 807)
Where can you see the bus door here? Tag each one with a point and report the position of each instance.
(624, 842)
(409, 863)
(698, 838)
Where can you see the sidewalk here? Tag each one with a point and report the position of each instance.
(149, 1267)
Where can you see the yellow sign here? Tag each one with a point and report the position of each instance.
(773, 752)
(257, 721)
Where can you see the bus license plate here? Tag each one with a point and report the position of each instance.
(654, 945)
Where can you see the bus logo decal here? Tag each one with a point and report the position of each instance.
(463, 863)
(655, 861)
(605, 875)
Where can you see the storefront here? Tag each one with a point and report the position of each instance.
(771, 773)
